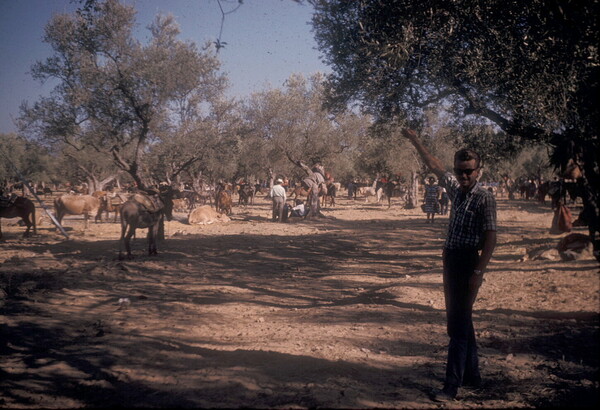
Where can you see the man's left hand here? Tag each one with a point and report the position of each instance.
(475, 282)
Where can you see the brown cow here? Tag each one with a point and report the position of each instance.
(99, 194)
(224, 202)
(76, 205)
(299, 191)
(18, 207)
(205, 215)
(329, 197)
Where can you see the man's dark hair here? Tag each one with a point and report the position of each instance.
(467, 155)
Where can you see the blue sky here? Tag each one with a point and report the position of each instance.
(267, 40)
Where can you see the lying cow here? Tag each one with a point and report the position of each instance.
(206, 215)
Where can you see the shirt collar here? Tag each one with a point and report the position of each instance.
(470, 191)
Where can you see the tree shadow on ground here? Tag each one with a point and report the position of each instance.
(230, 378)
(307, 280)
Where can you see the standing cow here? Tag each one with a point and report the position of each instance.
(224, 202)
(76, 205)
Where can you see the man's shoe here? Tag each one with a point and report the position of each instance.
(444, 395)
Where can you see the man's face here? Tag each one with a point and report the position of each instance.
(466, 173)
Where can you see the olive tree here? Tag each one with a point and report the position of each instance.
(531, 68)
(27, 158)
(291, 121)
(116, 95)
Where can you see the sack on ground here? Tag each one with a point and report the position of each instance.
(562, 221)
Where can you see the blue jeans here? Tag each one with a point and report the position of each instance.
(463, 364)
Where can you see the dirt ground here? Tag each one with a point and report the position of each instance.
(343, 312)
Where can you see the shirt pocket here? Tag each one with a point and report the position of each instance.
(468, 223)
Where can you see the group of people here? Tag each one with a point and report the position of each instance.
(281, 209)
(312, 184)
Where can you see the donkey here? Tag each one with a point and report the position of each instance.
(145, 211)
(19, 207)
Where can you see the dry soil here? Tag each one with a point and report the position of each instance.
(343, 312)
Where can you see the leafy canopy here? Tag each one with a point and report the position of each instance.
(530, 67)
(116, 95)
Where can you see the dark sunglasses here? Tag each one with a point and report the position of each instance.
(468, 171)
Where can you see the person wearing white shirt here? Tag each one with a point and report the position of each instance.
(278, 195)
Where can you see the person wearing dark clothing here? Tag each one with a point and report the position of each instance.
(469, 246)
(299, 210)
(351, 190)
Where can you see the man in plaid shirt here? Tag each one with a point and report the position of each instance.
(469, 246)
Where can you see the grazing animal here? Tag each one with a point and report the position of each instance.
(224, 202)
(205, 215)
(204, 195)
(299, 191)
(322, 189)
(76, 205)
(332, 189)
(191, 197)
(386, 189)
(368, 191)
(145, 211)
(180, 204)
(99, 194)
(246, 194)
(16, 187)
(18, 207)
(109, 204)
(261, 189)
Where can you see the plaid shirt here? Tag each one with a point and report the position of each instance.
(472, 214)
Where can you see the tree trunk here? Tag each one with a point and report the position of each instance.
(271, 177)
(413, 192)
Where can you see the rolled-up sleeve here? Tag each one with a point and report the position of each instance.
(489, 213)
